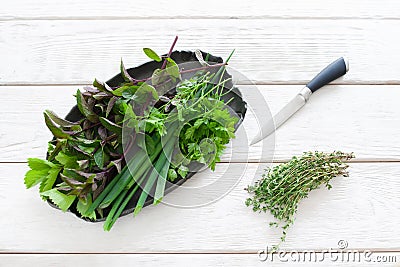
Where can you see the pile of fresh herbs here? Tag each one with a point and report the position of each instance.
(87, 169)
(281, 188)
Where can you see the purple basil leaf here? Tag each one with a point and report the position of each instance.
(60, 121)
(102, 132)
(108, 88)
(56, 131)
(101, 95)
(94, 187)
(84, 108)
(88, 176)
(125, 74)
(81, 151)
(164, 99)
(117, 163)
(83, 164)
(110, 105)
(99, 189)
(90, 89)
(70, 181)
(103, 87)
(111, 126)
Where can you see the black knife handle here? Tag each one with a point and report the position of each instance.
(333, 71)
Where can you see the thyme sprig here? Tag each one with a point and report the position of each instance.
(281, 188)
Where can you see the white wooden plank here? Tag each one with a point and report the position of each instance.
(361, 209)
(267, 51)
(359, 119)
(94, 9)
(383, 259)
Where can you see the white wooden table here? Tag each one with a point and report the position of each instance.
(50, 48)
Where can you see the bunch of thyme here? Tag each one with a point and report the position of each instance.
(282, 187)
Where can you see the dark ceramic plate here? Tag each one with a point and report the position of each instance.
(144, 71)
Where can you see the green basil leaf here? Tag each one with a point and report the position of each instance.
(145, 94)
(159, 76)
(172, 68)
(100, 157)
(129, 92)
(127, 87)
(67, 161)
(151, 54)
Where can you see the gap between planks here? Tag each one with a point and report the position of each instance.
(241, 17)
(300, 83)
(266, 161)
(376, 250)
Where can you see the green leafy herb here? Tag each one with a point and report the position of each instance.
(67, 161)
(41, 171)
(281, 188)
(87, 170)
(151, 54)
(83, 205)
(173, 69)
(62, 201)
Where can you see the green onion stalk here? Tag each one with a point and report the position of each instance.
(122, 188)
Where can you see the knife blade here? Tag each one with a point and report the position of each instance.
(333, 71)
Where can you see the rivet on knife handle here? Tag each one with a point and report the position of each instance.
(333, 71)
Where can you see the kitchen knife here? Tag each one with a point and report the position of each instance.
(333, 71)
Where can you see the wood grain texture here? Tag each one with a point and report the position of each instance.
(267, 51)
(359, 119)
(382, 259)
(191, 9)
(356, 210)
(284, 42)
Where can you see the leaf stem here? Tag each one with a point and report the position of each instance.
(169, 53)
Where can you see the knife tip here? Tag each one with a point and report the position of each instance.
(255, 141)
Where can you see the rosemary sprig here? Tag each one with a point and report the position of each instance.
(282, 187)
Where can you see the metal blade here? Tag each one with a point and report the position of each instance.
(283, 115)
